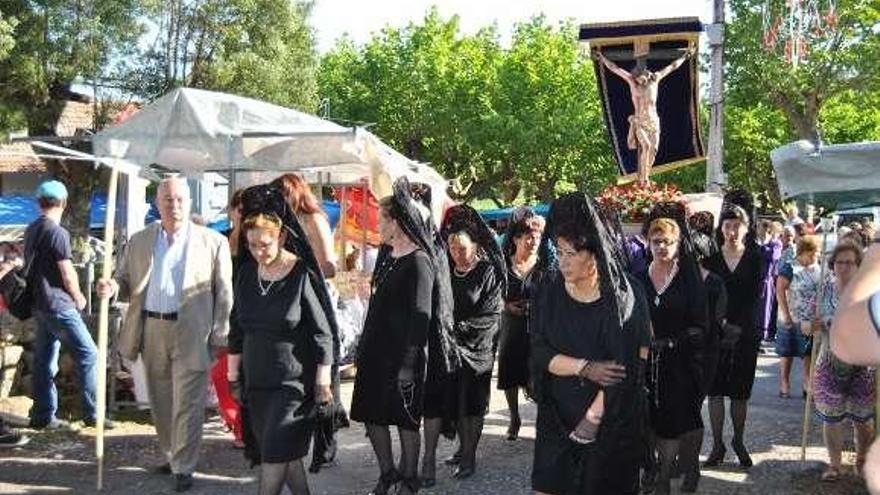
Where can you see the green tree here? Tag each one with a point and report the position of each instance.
(839, 61)
(506, 124)
(258, 48)
(7, 40)
(834, 91)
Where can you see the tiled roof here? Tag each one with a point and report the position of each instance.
(17, 157)
(75, 115)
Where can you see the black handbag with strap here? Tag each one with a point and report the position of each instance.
(16, 286)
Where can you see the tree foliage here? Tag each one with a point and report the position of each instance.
(258, 48)
(56, 42)
(506, 124)
(840, 61)
(768, 102)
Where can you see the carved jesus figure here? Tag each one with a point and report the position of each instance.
(644, 123)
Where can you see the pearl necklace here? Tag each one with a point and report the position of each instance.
(666, 282)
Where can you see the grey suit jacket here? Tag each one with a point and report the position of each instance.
(203, 317)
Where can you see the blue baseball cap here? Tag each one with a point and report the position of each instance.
(51, 189)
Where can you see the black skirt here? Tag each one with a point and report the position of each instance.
(513, 352)
(282, 422)
(560, 466)
(735, 373)
(474, 390)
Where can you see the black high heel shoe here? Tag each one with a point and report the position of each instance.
(745, 460)
(513, 429)
(386, 481)
(716, 457)
(463, 472)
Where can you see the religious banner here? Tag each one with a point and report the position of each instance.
(647, 77)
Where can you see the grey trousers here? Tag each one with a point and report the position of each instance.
(177, 396)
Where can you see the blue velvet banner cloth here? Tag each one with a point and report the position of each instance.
(678, 93)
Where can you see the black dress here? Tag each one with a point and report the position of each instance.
(736, 368)
(561, 325)
(285, 336)
(675, 385)
(397, 321)
(477, 297)
(513, 344)
(716, 299)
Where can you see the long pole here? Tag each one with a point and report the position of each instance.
(817, 341)
(103, 319)
(714, 166)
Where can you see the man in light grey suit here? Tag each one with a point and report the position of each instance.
(178, 277)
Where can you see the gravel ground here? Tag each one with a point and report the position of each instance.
(65, 462)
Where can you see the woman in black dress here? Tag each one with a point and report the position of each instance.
(590, 330)
(521, 246)
(402, 322)
(285, 343)
(713, 339)
(674, 290)
(738, 262)
(478, 283)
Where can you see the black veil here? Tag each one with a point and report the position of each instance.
(615, 287)
(744, 200)
(417, 223)
(269, 200)
(688, 264)
(464, 218)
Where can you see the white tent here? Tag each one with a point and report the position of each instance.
(195, 131)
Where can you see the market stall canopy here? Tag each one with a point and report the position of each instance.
(195, 131)
(837, 176)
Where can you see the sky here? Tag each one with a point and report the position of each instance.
(332, 19)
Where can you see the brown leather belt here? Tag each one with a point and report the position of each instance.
(161, 316)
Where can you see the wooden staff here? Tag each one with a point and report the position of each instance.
(877, 403)
(817, 341)
(103, 321)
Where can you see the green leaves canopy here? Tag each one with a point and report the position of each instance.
(508, 124)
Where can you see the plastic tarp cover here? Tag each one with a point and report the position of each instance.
(837, 176)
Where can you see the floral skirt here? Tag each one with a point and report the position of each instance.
(843, 391)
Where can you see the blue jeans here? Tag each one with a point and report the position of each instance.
(53, 329)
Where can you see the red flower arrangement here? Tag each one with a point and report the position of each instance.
(633, 201)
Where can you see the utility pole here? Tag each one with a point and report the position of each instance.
(715, 177)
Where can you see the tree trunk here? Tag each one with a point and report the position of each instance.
(804, 120)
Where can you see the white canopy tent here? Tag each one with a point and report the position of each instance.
(195, 131)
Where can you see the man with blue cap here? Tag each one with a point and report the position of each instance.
(58, 301)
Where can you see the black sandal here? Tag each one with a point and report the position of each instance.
(408, 486)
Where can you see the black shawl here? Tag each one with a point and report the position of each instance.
(618, 291)
(475, 334)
